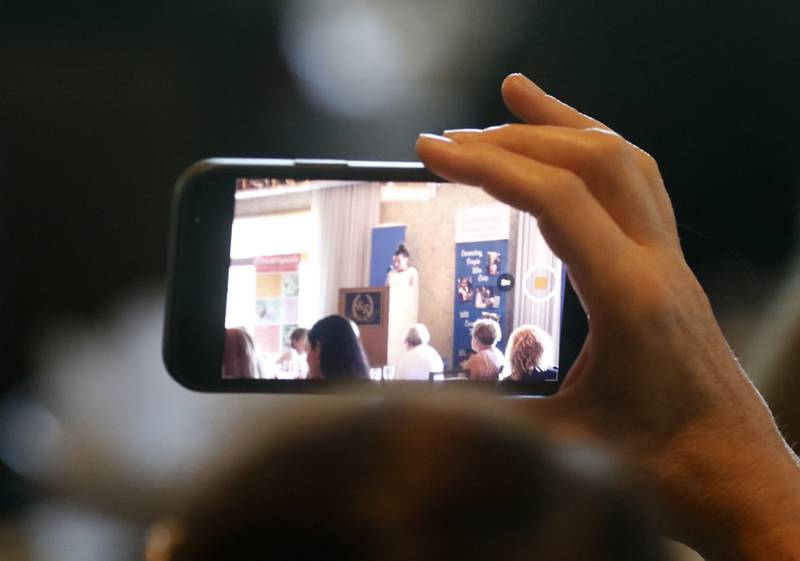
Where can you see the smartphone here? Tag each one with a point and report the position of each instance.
(296, 276)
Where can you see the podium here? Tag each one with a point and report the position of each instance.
(383, 316)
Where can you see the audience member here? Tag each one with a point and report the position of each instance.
(293, 359)
(488, 361)
(421, 359)
(241, 359)
(529, 355)
(405, 480)
(335, 352)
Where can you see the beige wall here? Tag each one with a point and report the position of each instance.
(430, 241)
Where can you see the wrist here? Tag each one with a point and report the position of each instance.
(742, 496)
(770, 528)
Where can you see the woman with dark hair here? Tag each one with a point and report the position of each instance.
(401, 273)
(334, 351)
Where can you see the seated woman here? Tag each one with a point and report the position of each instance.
(421, 359)
(529, 355)
(488, 361)
(293, 360)
(334, 351)
(241, 358)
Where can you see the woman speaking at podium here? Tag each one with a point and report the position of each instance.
(401, 273)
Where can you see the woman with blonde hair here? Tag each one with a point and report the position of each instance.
(529, 354)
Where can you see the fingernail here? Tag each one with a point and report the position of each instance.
(461, 131)
(527, 82)
(436, 137)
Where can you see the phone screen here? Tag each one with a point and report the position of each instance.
(433, 282)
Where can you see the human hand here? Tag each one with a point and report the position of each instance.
(655, 378)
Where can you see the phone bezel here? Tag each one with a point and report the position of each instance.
(197, 276)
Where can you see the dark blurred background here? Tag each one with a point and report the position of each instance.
(102, 105)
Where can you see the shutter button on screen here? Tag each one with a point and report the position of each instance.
(540, 283)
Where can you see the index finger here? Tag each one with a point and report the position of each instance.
(529, 103)
(572, 221)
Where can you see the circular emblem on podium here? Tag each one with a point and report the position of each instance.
(362, 309)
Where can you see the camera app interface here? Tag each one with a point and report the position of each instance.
(388, 281)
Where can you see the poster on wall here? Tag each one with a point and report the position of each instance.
(481, 253)
(478, 266)
(276, 301)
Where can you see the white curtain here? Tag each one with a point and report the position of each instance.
(343, 217)
(533, 254)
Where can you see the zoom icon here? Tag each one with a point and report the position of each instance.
(505, 282)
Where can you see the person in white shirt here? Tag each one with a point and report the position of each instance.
(293, 360)
(421, 359)
(401, 273)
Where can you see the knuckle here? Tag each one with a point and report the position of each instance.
(511, 130)
(572, 189)
(608, 145)
(649, 164)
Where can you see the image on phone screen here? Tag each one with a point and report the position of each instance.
(432, 282)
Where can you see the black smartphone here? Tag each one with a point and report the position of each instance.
(300, 275)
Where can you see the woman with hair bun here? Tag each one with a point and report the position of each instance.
(401, 273)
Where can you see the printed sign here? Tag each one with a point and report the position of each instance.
(479, 266)
(480, 223)
(276, 305)
(481, 235)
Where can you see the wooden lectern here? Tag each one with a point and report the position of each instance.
(383, 316)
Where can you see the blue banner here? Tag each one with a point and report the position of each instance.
(478, 267)
(385, 240)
